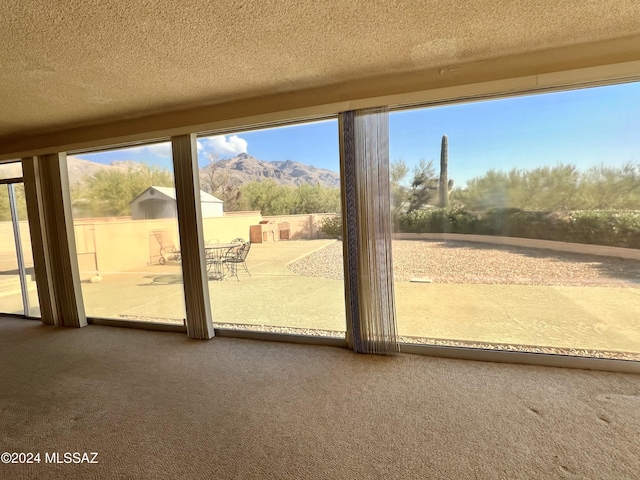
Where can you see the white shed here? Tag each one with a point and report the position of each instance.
(160, 202)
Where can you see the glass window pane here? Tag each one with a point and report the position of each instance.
(509, 231)
(126, 230)
(275, 195)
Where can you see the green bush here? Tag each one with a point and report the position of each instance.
(414, 222)
(618, 229)
(437, 220)
(596, 227)
(461, 221)
(496, 221)
(331, 226)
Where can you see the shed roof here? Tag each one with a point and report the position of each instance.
(171, 193)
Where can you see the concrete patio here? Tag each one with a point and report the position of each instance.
(564, 317)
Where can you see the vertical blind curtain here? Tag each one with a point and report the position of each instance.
(367, 212)
(49, 203)
(194, 272)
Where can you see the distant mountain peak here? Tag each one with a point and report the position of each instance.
(124, 163)
(244, 168)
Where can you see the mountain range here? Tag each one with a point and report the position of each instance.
(240, 169)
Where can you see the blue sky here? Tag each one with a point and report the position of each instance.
(585, 127)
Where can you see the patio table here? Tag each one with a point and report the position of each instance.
(214, 255)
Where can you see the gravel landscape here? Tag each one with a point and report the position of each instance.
(466, 262)
(451, 262)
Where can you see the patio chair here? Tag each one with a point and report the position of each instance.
(238, 257)
(239, 241)
(170, 252)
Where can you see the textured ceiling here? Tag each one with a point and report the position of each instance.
(76, 62)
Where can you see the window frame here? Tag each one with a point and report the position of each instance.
(498, 89)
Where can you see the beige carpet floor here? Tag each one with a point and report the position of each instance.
(158, 405)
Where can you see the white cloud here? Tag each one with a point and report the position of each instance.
(135, 149)
(160, 149)
(225, 147)
(220, 146)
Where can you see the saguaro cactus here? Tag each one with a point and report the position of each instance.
(444, 185)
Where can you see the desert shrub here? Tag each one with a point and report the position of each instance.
(618, 229)
(436, 220)
(495, 221)
(596, 227)
(414, 222)
(461, 221)
(588, 227)
(331, 226)
(627, 228)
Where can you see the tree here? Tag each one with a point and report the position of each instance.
(217, 182)
(316, 199)
(268, 197)
(557, 188)
(398, 171)
(415, 195)
(612, 187)
(272, 198)
(109, 192)
(424, 186)
(488, 191)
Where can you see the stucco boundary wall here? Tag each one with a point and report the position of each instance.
(232, 225)
(109, 245)
(630, 253)
(121, 245)
(302, 227)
